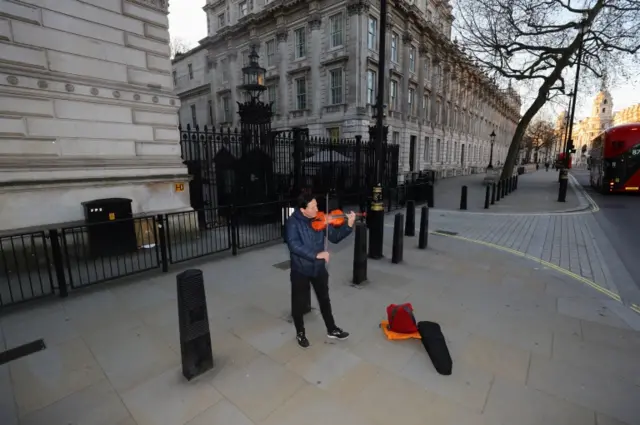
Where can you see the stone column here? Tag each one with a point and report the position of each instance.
(283, 62)
(235, 78)
(315, 52)
(214, 75)
(387, 61)
(357, 65)
(404, 97)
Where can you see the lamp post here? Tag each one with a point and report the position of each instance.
(375, 219)
(493, 140)
(564, 172)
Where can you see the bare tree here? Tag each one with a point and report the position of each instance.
(179, 46)
(535, 42)
(540, 135)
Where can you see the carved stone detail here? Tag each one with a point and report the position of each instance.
(12, 79)
(358, 7)
(43, 84)
(155, 99)
(136, 96)
(424, 50)
(160, 5)
(314, 22)
(172, 102)
(407, 38)
(282, 35)
(116, 94)
(94, 91)
(69, 87)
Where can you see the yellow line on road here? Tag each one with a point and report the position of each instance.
(566, 272)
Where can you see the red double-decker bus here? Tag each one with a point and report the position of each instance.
(615, 159)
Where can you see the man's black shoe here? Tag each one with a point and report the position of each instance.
(338, 333)
(302, 340)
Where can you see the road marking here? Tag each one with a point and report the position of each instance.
(559, 269)
(576, 184)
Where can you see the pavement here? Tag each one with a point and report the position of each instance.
(537, 193)
(530, 345)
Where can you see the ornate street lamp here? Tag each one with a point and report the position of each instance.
(253, 77)
(493, 140)
(255, 115)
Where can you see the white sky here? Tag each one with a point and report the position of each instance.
(187, 21)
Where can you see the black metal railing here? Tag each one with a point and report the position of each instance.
(56, 261)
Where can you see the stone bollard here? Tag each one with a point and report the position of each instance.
(424, 228)
(486, 198)
(397, 250)
(493, 193)
(193, 322)
(463, 198)
(360, 254)
(410, 224)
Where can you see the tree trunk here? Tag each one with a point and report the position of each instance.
(543, 93)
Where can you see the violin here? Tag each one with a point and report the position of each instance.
(335, 218)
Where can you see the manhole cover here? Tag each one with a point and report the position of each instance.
(447, 232)
(285, 265)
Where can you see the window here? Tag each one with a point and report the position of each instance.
(194, 119)
(371, 87)
(604, 110)
(271, 52)
(605, 102)
(244, 8)
(210, 104)
(335, 76)
(438, 112)
(190, 67)
(333, 133)
(394, 47)
(393, 95)
(426, 105)
(426, 150)
(175, 78)
(226, 110)
(245, 58)
(396, 138)
(272, 95)
(372, 34)
(438, 151)
(300, 43)
(301, 93)
(335, 28)
(412, 59)
(221, 20)
(412, 96)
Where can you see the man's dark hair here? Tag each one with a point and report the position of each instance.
(304, 198)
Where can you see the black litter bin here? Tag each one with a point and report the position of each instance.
(110, 227)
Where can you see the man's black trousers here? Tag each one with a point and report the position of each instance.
(301, 298)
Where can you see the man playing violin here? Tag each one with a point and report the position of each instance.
(308, 259)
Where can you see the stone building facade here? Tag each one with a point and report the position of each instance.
(627, 115)
(322, 58)
(87, 109)
(601, 118)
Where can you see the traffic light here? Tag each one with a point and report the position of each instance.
(570, 147)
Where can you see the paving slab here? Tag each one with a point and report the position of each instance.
(514, 329)
(537, 193)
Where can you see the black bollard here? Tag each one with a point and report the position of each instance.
(499, 190)
(397, 239)
(508, 185)
(430, 195)
(410, 224)
(564, 183)
(360, 254)
(424, 228)
(504, 188)
(193, 322)
(516, 181)
(463, 198)
(493, 193)
(513, 183)
(486, 198)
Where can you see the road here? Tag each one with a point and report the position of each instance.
(617, 217)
